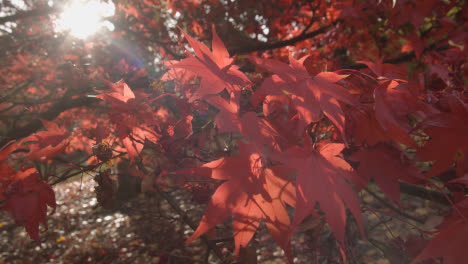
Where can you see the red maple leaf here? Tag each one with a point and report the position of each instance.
(27, 199)
(46, 144)
(250, 193)
(281, 115)
(322, 178)
(135, 140)
(450, 243)
(227, 120)
(414, 43)
(386, 70)
(393, 106)
(260, 133)
(386, 166)
(216, 68)
(119, 93)
(6, 172)
(132, 115)
(128, 107)
(311, 96)
(449, 142)
(363, 128)
(217, 72)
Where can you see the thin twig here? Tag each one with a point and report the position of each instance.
(185, 218)
(394, 208)
(85, 169)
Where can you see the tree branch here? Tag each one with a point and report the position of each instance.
(404, 57)
(280, 44)
(185, 218)
(424, 193)
(28, 14)
(394, 208)
(84, 169)
(53, 112)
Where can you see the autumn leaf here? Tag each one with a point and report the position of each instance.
(282, 117)
(132, 115)
(250, 193)
(6, 150)
(27, 199)
(135, 140)
(450, 243)
(385, 70)
(393, 106)
(414, 43)
(322, 177)
(47, 144)
(312, 96)
(363, 128)
(448, 142)
(217, 72)
(6, 172)
(216, 69)
(122, 98)
(260, 133)
(119, 92)
(227, 120)
(385, 165)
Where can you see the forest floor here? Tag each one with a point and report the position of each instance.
(146, 230)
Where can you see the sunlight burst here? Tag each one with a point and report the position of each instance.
(84, 18)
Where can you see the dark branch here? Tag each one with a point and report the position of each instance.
(185, 218)
(84, 169)
(394, 208)
(52, 113)
(405, 57)
(279, 44)
(424, 193)
(29, 14)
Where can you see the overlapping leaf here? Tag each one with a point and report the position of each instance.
(216, 68)
(250, 193)
(384, 164)
(217, 72)
(363, 128)
(450, 243)
(312, 96)
(133, 117)
(27, 199)
(6, 172)
(448, 142)
(227, 120)
(322, 178)
(46, 144)
(282, 117)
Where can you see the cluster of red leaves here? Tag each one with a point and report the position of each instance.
(449, 143)
(132, 115)
(251, 192)
(25, 196)
(22, 191)
(45, 145)
(316, 134)
(322, 173)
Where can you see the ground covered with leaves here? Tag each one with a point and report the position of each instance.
(145, 229)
